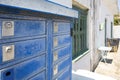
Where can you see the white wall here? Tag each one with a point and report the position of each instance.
(67, 3)
(85, 3)
(85, 61)
(96, 15)
(101, 14)
(82, 63)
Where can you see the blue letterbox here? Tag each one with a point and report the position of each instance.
(35, 48)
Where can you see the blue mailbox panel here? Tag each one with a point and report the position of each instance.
(40, 76)
(24, 70)
(61, 51)
(61, 40)
(35, 49)
(66, 75)
(58, 68)
(23, 28)
(61, 27)
(23, 49)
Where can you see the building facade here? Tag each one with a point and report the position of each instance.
(47, 39)
(99, 27)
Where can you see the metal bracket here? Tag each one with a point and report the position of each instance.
(55, 27)
(55, 56)
(55, 43)
(7, 28)
(55, 69)
(8, 53)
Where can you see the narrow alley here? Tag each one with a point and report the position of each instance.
(112, 67)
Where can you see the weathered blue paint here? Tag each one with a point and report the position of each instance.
(27, 48)
(65, 51)
(63, 64)
(8, 74)
(62, 40)
(40, 76)
(21, 28)
(50, 62)
(33, 40)
(63, 27)
(24, 70)
(0, 30)
(65, 75)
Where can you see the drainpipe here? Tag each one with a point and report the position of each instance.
(94, 32)
(92, 6)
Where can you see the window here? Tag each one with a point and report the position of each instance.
(80, 33)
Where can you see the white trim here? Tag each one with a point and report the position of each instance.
(79, 57)
(41, 6)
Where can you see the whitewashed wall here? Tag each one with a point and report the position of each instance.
(101, 13)
(96, 16)
(67, 3)
(85, 3)
(85, 61)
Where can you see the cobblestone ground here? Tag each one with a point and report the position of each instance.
(112, 67)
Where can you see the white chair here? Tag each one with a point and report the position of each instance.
(104, 50)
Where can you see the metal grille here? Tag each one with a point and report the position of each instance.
(80, 34)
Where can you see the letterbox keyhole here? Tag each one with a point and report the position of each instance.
(8, 73)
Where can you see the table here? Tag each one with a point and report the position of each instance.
(104, 50)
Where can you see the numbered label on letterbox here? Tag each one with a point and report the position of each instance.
(7, 28)
(55, 71)
(55, 56)
(7, 53)
(55, 27)
(55, 43)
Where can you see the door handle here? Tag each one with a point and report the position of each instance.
(71, 31)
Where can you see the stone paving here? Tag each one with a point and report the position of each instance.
(112, 67)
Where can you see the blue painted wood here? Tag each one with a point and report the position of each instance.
(62, 27)
(23, 28)
(62, 40)
(8, 75)
(27, 48)
(62, 52)
(50, 37)
(65, 75)
(0, 30)
(63, 64)
(39, 6)
(25, 70)
(40, 76)
(0, 53)
(33, 40)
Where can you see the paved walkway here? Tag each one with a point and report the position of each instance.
(112, 67)
(87, 75)
(104, 71)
